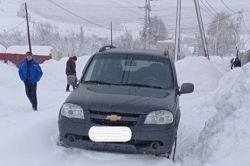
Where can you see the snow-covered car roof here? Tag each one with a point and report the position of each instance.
(136, 52)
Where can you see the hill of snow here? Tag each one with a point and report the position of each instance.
(213, 128)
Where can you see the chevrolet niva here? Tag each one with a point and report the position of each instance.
(125, 88)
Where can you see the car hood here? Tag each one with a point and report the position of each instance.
(122, 99)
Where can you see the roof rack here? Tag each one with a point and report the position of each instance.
(107, 47)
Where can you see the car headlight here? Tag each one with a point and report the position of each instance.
(72, 111)
(160, 117)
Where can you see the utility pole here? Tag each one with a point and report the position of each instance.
(148, 7)
(201, 28)
(217, 36)
(177, 31)
(146, 27)
(28, 28)
(111, 33)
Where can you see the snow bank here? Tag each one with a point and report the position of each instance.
(9, 75)
(213, 129)
(225, 137)
(199, 71)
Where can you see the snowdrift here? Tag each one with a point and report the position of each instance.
(213, 129)
(217, 113)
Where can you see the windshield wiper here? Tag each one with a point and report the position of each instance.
(98, 82)
(143, 85)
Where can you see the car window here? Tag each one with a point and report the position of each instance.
(130, 70)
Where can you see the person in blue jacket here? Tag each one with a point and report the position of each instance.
(30, 73)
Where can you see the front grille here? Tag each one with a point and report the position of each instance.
(100, 118)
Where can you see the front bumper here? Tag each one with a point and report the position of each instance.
(146, 139)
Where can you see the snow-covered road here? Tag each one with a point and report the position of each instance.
(213, 129)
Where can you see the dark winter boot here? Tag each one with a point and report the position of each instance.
(67, 88)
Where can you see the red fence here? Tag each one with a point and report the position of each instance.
(18, 58)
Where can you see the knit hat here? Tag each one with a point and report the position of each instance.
(75, 58)
(28, 53)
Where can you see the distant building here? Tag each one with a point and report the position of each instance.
(16, 54)
(2, 53)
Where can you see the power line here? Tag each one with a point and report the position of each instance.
(207, 24)
(82, 18)
(119, 5)
(126, 1)
(211, 6)
(15, 27)
(224, 18)
(112, 7)
(207, 9)
(226, 6)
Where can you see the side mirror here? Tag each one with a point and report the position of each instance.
(186, 88)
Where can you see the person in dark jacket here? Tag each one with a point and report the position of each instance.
(71, 73)
(236, 63)
(30, 73)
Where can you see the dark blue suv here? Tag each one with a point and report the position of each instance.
(126, 88)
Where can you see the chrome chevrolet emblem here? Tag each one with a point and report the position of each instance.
(113, 118)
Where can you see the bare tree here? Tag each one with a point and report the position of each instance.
(223, 35)
(45, 34)
(125, 41)
(21, 11)
(198, 49)
(74, 43)
(13, 38)
(157, 30)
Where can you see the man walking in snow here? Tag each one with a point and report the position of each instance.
(236, 63)
(30, 73)
(71, 73)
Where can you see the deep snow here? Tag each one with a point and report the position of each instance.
(213, 129)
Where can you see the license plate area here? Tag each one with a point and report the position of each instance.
(110, 134)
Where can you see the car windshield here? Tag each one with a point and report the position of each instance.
(127, 70)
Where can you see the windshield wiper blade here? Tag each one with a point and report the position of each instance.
(98, 82)
(143, 85)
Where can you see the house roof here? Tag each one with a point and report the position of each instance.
(36, 50)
